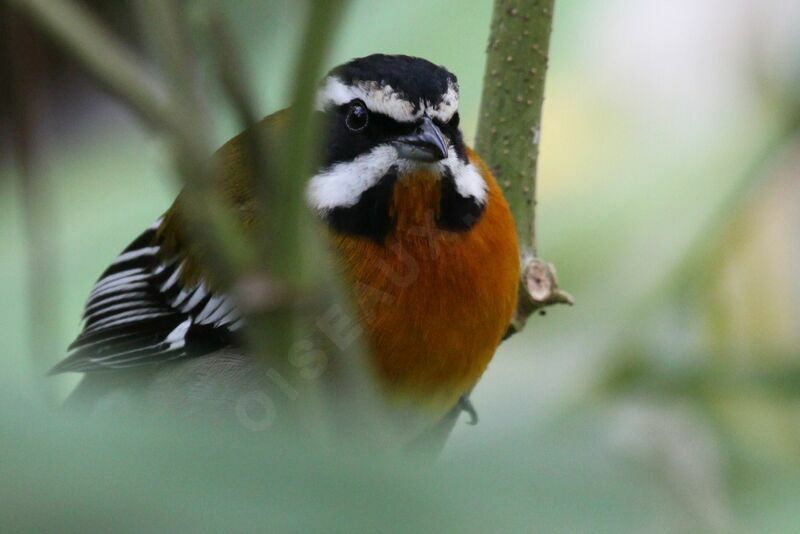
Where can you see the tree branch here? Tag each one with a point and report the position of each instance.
(105, 57)
(28, 74)
(509, 133)
(508, 140)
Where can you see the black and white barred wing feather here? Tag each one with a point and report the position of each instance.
(139, 313)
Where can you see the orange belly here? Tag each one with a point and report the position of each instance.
(434, 303)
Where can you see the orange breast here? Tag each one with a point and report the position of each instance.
(434, 303)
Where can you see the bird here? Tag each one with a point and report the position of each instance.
(418, 228)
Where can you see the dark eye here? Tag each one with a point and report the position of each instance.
(357, 116)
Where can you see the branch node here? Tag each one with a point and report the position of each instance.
(538, 289)
(540, 280)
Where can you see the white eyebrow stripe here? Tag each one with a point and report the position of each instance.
(385, 99)
(380, 99)
(448, 106)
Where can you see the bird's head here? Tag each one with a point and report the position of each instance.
(388, 117)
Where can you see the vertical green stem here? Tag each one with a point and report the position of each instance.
(28, 74)
(287, 220)
(104, 57)
(302, 141)
(511, 105)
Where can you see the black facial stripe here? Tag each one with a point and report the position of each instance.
(343, 144)
(457, 213)
(369, 217)
(453, 133)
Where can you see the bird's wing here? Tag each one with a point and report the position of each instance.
(141, 312)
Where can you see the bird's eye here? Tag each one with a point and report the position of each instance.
(357, 116)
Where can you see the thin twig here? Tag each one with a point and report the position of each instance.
(28, 75)
(232, 75)
(227, 252)
(301, 152)
(295, 151)
(105, 57)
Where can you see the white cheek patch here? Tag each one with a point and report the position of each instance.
(386, 100)
(342, 184)
(469, 182)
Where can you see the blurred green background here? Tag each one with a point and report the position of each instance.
(669, 200)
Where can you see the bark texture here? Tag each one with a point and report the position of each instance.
(509, 132)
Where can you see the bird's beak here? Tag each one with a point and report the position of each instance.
(426, 144)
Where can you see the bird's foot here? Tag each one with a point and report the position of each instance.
(466, 405)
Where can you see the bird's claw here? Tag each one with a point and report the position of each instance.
(466, 405)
